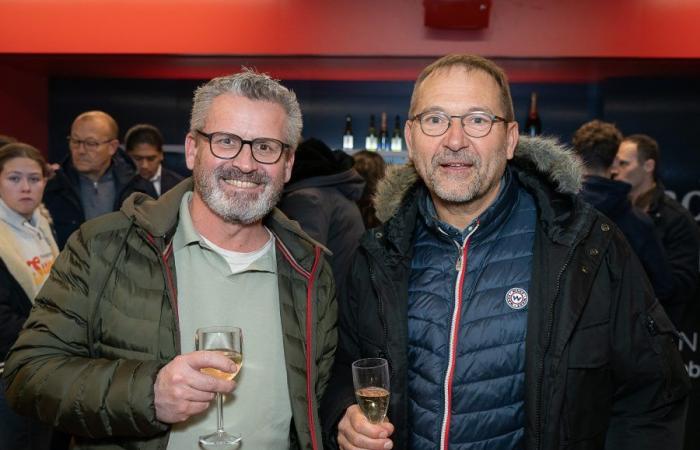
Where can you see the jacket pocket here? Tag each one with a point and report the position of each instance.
(662, 335)
(589, 386)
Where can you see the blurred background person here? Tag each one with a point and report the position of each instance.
(144, 144)
(371, 167)
(321, 196)
(637, 163)
(93, 179)
(27, 251)
(596, 142)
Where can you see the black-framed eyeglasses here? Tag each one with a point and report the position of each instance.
(228, 146)
(89, 144)
(476, 124)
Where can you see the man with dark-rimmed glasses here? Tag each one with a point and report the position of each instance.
(512, 314)
(109, 353)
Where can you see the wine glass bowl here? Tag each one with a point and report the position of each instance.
(370, 377)
(227, 341)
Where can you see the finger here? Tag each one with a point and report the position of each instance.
(209, 383)
(206, 358)
(344, 444)
(190, 394)
(360, 424)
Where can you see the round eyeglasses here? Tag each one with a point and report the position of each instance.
(475, 124)
(228, 146)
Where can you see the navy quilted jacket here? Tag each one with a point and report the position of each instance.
(466, 335)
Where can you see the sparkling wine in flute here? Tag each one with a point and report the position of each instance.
(374, 402)
(234, 356)
(370, 377)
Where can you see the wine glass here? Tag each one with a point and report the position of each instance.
(371, 379)
(228, 342)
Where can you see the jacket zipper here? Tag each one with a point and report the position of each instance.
(461, 266)
(311, 278)
(170, 283)
(380, 311)
(548, 343)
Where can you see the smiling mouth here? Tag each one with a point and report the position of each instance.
(241, 184)
(457, 165)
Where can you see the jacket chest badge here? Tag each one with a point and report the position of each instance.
(516, 298)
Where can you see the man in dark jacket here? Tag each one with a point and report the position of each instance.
(108, 353)
(92, 180)
(144, 145)
(510, 311)
(637, 163)
(596, 142)
(322, 196)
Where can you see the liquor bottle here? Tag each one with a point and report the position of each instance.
(396, 143)
(533, 124)
(348, 139)
(383, 135)
(371, 139)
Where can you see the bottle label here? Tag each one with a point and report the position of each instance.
(348, 142)
(396, 144)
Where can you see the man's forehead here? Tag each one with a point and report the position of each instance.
(455, 84)
(90, 125)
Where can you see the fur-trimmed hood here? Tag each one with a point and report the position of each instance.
(557, 164)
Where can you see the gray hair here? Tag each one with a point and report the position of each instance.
(254, 86)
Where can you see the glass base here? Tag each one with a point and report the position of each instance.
(220, 440)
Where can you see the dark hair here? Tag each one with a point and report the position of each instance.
(596, 142)
(372, 168)
(22, 150)
(143, 133)
(469, 62)
(647, 148)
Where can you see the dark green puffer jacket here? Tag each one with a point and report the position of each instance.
(105, 323)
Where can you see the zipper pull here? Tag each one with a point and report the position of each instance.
(458, 264)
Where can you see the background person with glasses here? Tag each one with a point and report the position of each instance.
(109, 353)
(513, 315)
(92, 180)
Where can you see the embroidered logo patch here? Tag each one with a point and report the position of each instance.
(516, 298)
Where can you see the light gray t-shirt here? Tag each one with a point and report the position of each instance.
(209, 294)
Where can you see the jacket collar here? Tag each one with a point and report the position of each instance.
(159, 217)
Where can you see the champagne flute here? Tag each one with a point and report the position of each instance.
(228, 342)
(371, 379)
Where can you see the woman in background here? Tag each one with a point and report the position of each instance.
(27, 251)
(371, 166)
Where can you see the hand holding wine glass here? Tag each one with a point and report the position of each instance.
(228, 342)
(364, 424)
(181, 390)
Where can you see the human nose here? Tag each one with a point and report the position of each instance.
(455, 137)
(244, 159)
(25, 185)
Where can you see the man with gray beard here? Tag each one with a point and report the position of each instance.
(108, 353)
(512, 314)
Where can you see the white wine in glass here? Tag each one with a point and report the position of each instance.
(371, 379)
(229, 342)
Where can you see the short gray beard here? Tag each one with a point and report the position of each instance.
(468, 192)
(239, 209)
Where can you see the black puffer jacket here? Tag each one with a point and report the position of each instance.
(602, 369)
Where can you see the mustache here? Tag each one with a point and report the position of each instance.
(459, 157)
(234, 173)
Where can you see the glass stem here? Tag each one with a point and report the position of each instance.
(219, 413)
